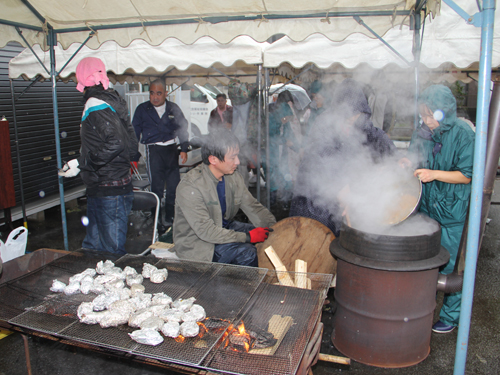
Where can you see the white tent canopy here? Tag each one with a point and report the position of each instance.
(449, 46)
(140, 61)
(443, 37)
(155, 20)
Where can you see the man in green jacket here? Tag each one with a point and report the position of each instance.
(442, 150)
(207, 200)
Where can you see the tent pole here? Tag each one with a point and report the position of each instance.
(18, 153)
(266, 109)
(259, 127)
(483, 99)
(417, 49)
(52, 42)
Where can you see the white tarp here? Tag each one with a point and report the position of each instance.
(448, 43)
(140, 61)
(190, 20)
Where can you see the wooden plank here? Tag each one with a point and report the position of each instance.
(284, 277)
(274, 258)
(334, 359)
(281, 271)
(300, 238)
(300, 274)
(278, 326)
(309, 283)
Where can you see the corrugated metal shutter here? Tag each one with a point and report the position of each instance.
(35, 124)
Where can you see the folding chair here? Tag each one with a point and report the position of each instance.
(138, 182)
(145, 202)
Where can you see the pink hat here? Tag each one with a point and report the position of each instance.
(90, 72)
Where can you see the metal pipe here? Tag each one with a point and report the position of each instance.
(31, 49)
(52, 43)
(259, 127)
(18, 152)
(488, 21)
(27, 354)
(362, 23)
(451, 283)
(215, 20)
(78, 50)
(266, 109)
(416, 53)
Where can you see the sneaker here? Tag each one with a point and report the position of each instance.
(441, 327)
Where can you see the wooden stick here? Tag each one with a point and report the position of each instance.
(334, 359)
(300, 273)
(309, 283)
(273, 257)
(284, 277)
(281, 271)
(278, 326)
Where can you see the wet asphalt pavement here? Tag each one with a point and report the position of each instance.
(49, 357)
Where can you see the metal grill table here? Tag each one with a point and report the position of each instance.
(227, 292)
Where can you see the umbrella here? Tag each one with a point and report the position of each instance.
(300, 97)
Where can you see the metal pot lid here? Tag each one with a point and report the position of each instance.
(416, 265)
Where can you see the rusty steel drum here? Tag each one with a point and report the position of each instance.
(385, 306)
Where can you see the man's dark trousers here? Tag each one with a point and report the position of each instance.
(163, 167)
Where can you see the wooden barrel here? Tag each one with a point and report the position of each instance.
(300, 238)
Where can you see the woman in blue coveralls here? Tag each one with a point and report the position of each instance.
(442, 150)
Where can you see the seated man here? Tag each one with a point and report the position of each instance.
(208, 198)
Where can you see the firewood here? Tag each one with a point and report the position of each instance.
(278, 326)
(161, 245)
(281, 271)
(300, 274)
(334, 359)
(309, 283)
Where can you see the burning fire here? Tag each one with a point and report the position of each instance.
(180, 338)
(238, 339)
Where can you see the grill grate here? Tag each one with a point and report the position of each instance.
(233, 293)
(304, 306)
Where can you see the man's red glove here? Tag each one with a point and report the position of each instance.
(259, 234)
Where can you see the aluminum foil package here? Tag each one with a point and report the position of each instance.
(57, 286)
(147, 270)
(171, 329)
(146, 337)
(72, 288)
(138, 317)
(172, 315)
(152, 323)
(129, 271)
(161, 299)
(157, 310)
(124, 306)
(102, 301)
(136, 289)
(114, 319)
(84, 308)
(92, 317)
(159, 276)
(189, 329)
(134, 279)
(195, 314)
(184, 304)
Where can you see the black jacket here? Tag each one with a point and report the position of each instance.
(108, 143)
(172, 124)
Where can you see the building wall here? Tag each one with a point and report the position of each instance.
(35, 126)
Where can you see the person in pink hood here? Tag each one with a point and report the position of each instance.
(108, 146)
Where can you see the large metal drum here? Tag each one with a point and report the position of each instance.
(385, 294)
